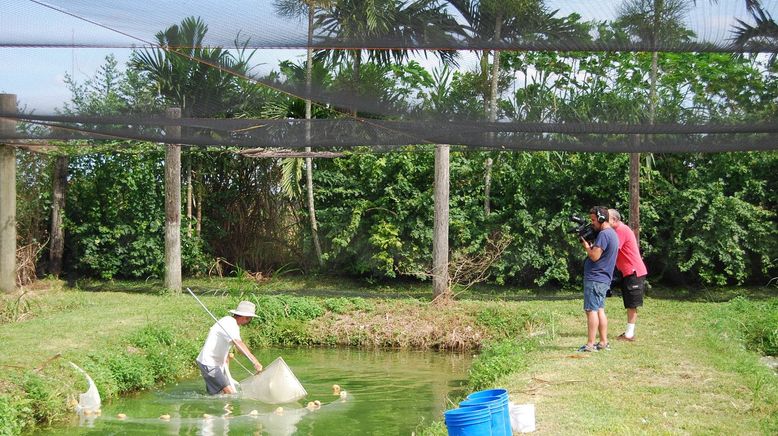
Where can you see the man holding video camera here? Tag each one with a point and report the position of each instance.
(633, 272)
(598, 273)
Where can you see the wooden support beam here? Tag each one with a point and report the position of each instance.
(440, 276)
(7, 198)
(263, 152)
(59, 185)
(173, 206)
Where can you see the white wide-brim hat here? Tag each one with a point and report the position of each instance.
(245, 308)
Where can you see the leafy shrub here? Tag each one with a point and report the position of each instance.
(283, 332)
(165, 363)
(337, 305)
(437, 428)
(106, 383)
(116, 224)
(272, 308)
(162, 352)
(131, 371)
(362, 304)
(194, 258)
(757, 322)
(11, 412)
(498, 359)
(762, 334)
(343, 304)
(45, 401)
(152, 335)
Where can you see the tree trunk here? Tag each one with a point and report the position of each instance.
(7, 198)
(173, 207)
(59, 189)
(492, 110)
(308, 160)
(634, 189)
(440, 278)
(199, 206)
(189, 198)
(356, 75)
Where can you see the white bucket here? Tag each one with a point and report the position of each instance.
(522, 417)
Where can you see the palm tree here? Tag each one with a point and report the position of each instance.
(503, 21)
(200, 80)
(297, 8)
(399, 24)
(763, 33)
(648, 20)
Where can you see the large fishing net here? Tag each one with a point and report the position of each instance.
(89, 401)
(276, 384)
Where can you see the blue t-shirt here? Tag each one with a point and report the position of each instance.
(602, 270)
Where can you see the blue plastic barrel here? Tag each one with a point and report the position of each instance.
(499, 392)
(469, 421)
(498, 401)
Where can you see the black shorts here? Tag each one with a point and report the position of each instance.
(632, 288)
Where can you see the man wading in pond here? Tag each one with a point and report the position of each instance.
(213, 360)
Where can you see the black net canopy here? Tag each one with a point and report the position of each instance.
(577, 75)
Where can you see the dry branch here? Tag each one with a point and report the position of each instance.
(467, 269)
(26, 258)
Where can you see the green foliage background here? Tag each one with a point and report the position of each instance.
(706, 218)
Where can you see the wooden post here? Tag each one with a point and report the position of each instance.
(440, 230)
(189, 197)
(58, 190)
(173, 206)
(634, 190)
(7, 198)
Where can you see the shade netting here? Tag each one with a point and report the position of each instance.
(573, 75)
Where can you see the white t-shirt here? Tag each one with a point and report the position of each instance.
(217, 344)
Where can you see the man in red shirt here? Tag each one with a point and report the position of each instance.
(633, 271)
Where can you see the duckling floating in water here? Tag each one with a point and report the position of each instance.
(335, 390)
(279, 411)
(343, 395)
(121, 416)
(207, 416)
(254, 413)
(313, 405)
(165, 417)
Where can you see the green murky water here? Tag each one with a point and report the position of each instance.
(388, 393)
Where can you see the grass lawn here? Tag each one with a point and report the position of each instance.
(681, 376)
(688, 372)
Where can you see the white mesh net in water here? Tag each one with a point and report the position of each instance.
(89, 401)
(275, 385)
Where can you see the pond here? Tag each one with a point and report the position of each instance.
(387, 393)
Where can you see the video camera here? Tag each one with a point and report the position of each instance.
(584, 230)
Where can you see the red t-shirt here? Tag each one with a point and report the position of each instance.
(628, 260)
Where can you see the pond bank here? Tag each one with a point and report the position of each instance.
(130, 341)
(136, 340)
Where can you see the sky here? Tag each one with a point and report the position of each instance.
(36, 74)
